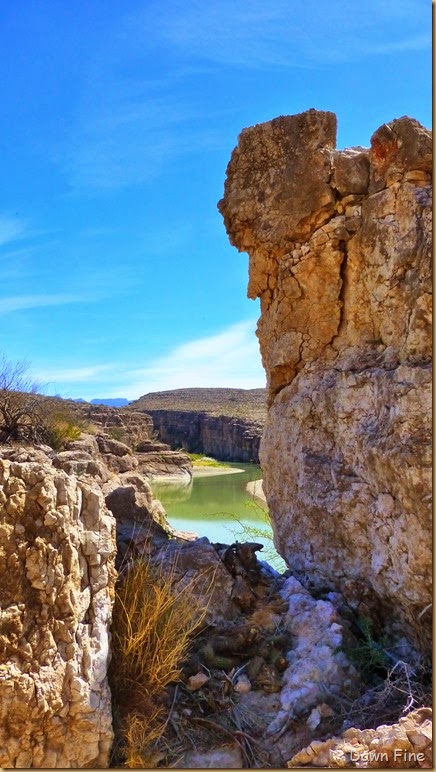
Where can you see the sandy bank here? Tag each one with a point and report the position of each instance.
(255, 489)
(209, 471)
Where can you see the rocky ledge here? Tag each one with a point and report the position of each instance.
(127, 440)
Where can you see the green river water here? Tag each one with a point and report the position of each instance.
(220, 508)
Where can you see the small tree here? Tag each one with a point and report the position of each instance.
(28, 416)
(21, 409)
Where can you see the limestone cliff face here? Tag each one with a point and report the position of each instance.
(223, 437)
(222, 422)
(340, 255)
(57, 551)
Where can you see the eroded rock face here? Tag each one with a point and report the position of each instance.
(127, 442)
(340, 256)
(57, 551)
(224, 423)
(222, 437)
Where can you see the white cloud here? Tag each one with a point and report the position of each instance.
(23, 302)
(228, 359)
(71, 374)
(415, 43)
(283, 34)
(126, 133)
(138, 111)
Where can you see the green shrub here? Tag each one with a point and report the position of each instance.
(199, 459)
(117, 433)
(262, 533)
(368, 655)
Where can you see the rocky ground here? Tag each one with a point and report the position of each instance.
(271, 672)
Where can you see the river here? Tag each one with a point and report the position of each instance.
(220, 508)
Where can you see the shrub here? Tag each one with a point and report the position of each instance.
(20, 405)
(199, 459)
(262, 532)
(117, 433)
(59, 426)
(151, 630)
(368, 655)
(28, 416)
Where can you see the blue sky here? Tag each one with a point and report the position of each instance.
(117, 123)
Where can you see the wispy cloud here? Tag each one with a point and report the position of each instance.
(58, 376)
(283, 34)
(12, 229)
(139, 111)
(416, 43)
(127, 135)
(229, 359)
(23, 302)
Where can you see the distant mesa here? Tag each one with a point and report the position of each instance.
(115, 402)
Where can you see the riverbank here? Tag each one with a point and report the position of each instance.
(212, 471)
(256, 490)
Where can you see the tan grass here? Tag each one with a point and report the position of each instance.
(151, 630)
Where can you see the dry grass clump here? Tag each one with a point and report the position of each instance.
(151, 630)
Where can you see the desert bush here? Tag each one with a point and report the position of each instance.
(368, 654)
(118, 433)
(20, 405)
(260, 532)
(151, 630)
(199, 459)
(28, 416)
(58, 424)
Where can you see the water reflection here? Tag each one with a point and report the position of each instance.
(220, 508)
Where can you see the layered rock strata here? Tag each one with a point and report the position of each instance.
(222, 437)
(223, 423)
(339, 244)
(57, 552)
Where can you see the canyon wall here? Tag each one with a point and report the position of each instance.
(222, 437)
(57, 553)
(221, 422)
(339, 246)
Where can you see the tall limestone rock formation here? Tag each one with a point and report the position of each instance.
(57, 553)
(340, 256)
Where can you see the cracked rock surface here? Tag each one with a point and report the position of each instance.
(57, 553)
(339, 246)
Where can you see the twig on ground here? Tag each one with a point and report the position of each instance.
(170, 713)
